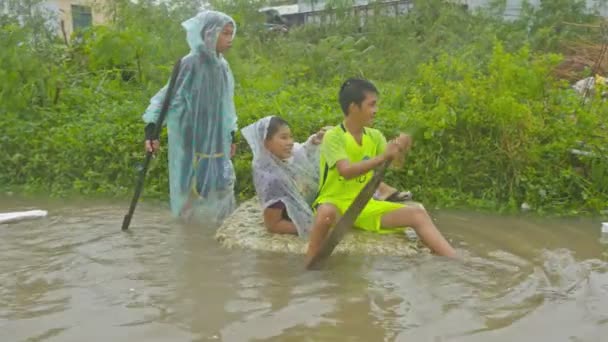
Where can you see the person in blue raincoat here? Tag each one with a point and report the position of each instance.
(201, 123)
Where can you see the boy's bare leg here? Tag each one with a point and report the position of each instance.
(327, 216)
(419, 219)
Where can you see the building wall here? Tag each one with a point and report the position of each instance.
(65, 12)
(513, 7)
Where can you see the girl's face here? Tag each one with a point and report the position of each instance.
(281, 143)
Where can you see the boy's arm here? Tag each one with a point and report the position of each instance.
(152, 112)
(350, 170)
(334, 153)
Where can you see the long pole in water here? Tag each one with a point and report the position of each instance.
(350, 216)
(159, 122)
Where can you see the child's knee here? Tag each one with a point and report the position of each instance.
(327, 214)
(418, 214)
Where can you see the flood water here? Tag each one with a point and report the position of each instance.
(74, 276)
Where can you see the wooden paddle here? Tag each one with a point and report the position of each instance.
(348, 219)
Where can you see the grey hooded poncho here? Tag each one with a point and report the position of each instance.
(294, 181)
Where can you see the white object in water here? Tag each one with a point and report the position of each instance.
(604, 237)
(21, 215)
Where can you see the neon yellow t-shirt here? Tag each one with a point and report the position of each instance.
(339, 144)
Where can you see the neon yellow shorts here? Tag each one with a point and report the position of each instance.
(370, 218)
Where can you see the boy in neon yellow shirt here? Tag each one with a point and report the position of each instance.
(349, 154)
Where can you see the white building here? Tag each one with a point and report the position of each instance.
(72, 15)
(307, 11)
(64, 16)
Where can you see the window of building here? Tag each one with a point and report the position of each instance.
(81, 17)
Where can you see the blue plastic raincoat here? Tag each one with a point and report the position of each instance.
(200, 121)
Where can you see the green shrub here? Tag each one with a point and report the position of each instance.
(493, 128)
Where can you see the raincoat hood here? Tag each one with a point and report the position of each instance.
(203, 30)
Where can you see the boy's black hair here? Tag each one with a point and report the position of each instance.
(353, 91)
(274, 125)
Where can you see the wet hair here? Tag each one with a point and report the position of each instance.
(353, 91)
(274, 125)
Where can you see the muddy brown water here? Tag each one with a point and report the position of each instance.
(74, 276)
